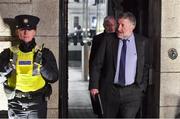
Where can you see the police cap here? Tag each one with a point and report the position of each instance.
(26, 21)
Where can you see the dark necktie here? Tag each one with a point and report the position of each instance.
(121, 79)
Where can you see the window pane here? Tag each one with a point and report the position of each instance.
(76, 0)
(76, 21)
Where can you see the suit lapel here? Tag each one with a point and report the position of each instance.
(138, 48)
(140, 57)
(115, 51)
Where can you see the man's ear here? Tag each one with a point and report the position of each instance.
(133, 26)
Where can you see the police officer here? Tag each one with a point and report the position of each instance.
(29, 69)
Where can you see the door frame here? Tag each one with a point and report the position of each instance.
(63, 60)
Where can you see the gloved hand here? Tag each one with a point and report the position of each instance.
(49, 70)
(2, 78)
(7, 71)
(9, 68)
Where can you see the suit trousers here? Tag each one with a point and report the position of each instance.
(123, 102)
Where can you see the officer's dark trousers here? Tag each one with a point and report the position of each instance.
(29, 108)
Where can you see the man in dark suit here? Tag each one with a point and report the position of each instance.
(109, 25)
(119, 71)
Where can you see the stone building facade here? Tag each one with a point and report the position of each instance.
(47, 31)
(163, 28)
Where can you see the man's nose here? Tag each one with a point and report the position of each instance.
(118, 28)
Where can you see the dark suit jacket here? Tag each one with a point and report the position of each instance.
(104, 64)
(97, 39)
(96, 42)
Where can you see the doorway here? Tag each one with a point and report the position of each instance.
(79, 38)
(85, 19)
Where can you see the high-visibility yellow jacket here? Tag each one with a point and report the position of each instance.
(23, 79)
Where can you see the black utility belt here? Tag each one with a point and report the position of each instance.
(29, 95)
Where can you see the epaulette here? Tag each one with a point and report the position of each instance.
(38, 48)
(14, 49)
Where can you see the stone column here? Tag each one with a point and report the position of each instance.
(169, 105)
(4, 43)
(47, 32)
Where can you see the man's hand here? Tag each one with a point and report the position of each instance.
(93, 92)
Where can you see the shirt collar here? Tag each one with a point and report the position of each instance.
(130, 38)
